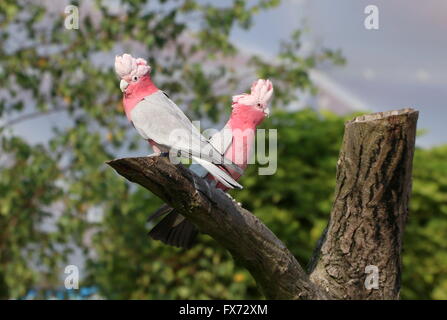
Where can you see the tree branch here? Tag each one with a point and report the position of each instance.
(370, 208)
(275, 269)
(365, 228)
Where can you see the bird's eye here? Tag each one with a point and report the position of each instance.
(135, 78)
(259, 104)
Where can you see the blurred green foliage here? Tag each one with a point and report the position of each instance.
(50, 191)
(425, 245)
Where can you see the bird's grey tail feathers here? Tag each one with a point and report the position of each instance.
(215, 158)
(173, 229)
(164, 209)
(218, 173)
(232, 166)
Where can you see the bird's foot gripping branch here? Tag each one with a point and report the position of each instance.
(365, 228)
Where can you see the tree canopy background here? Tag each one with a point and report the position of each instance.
(58, 196)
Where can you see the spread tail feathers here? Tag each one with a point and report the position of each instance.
(218, 173)
(164, 209)
(173, 229)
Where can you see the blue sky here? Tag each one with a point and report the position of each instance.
(400, 65)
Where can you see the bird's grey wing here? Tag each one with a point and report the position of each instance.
(156, 122)
(156, 118)
(216, 149)
(164, 99)
(165, 94)
(222, 140)
(177, 131)
(200, 144)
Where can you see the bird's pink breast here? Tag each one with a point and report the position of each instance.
(243, 122)
(136, 92)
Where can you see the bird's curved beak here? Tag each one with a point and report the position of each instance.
(123, 85)
(267, 112)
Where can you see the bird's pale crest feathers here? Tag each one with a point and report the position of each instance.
(126, 65)
(261, 92)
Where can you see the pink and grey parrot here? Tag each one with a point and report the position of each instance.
(159, 121)
(236, 141)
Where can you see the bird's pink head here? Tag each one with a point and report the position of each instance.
(254, 106)
(131, 71)
(135, 79)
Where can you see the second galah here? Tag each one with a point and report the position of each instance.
(236, 141)
(160, 121)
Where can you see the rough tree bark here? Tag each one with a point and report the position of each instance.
(365, 227)
(370, 208)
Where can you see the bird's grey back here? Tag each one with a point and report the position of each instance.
(156, 117)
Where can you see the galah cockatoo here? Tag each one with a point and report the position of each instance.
(161, 122)
(236, 140)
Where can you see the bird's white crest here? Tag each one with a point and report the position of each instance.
(126, 65)
(261, 92)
